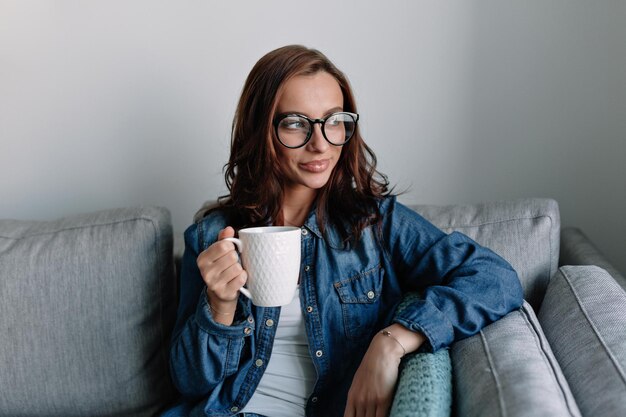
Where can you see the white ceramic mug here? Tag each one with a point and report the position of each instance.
(271, 257)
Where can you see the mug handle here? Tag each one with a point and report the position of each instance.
(239, 245)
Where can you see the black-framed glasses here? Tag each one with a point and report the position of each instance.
(295, 130)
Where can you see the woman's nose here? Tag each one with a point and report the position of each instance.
(317, 142)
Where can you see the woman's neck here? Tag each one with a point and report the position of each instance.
(296, 206)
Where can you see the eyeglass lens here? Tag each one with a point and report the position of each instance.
(294, 131)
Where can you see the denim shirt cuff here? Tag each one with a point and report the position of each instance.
(204, 318)
(424, 317)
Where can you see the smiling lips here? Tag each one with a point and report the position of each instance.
(315, 166)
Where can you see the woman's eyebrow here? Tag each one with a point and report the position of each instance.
(333, 110)
(327, 113)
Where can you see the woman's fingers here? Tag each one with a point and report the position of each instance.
(225, 261)
(220, 268)
(237, 282)
(384, 410)
(217, 251)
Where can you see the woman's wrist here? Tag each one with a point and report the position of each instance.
(392, 337)
(387, 345)
(405, 340)
(222, 311)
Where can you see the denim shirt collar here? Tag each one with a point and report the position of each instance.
(311, 223)
(331, 234)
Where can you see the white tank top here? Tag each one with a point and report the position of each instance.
(290, 374)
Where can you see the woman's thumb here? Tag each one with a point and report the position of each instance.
(226, 232)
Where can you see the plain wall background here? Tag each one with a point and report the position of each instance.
(113, 103)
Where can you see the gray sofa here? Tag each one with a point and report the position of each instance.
(87, 304)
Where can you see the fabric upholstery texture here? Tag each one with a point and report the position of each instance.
(524, 232)
(87, 305)
(577, 249)
(508, 369)
(588, 338)
(86, 308)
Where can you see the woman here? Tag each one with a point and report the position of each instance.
(297, 158)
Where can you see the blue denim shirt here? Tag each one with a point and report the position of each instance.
(347, 295)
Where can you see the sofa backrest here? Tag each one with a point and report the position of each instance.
(525, 232)
(86, 311)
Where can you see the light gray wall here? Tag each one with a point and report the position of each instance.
(108, 104)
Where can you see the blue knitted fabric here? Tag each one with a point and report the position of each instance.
(425, 382)
(425, 386)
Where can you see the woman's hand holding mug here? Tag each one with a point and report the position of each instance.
(223, 275)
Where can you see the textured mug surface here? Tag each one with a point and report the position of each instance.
(271, 257)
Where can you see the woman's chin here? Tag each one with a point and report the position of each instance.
(316, 183)
(311, 184)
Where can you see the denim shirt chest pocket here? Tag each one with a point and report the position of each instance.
(359, 297)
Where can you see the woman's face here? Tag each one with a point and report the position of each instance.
(316, 96)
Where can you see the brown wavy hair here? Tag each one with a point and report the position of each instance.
(349, 200)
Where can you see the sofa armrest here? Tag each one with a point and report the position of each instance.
(508, 369)
(577, 249)
(584, 316)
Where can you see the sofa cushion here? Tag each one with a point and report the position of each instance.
(524, 232)
(86, 308)
(584, 317)
(508, 369)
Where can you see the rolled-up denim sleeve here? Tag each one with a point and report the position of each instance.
(203, 352)
(463, 285)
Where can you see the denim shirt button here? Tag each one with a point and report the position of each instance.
(258, 363)
(314, 399)
(247, 330)
(304, 232)
(269, 322)
(234, 409)
(307, 268)
(309, 309)
(250, 319)
(319, 353)
(370, 294)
